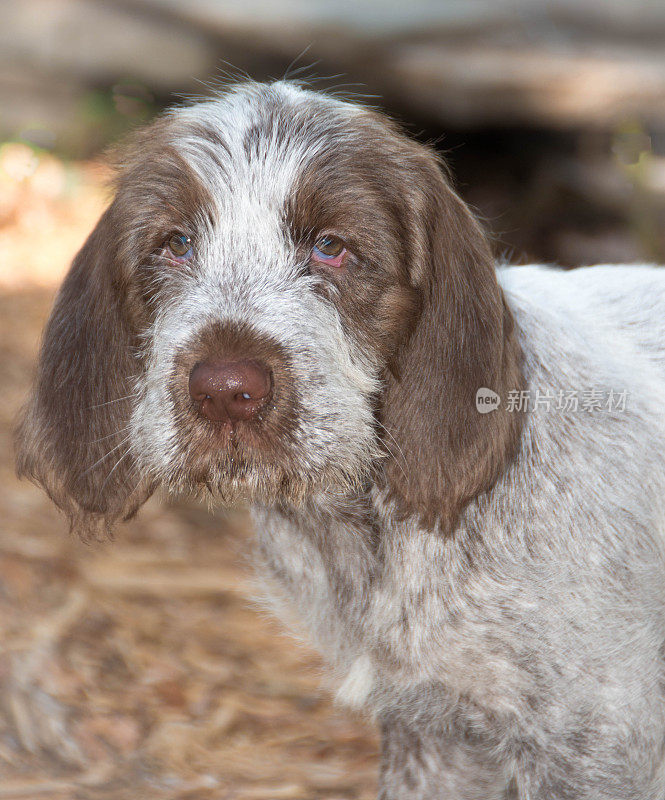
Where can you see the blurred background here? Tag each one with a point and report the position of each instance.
(140, 668)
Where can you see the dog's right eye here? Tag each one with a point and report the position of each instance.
(180, 244)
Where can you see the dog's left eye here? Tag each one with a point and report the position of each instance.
(180, 245)
(329, 250)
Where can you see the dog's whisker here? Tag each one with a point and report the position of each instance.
(115, 466)
(401, 460)
(105, 456)
(113, 435)
(130, 396)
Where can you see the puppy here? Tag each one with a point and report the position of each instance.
(456, 472)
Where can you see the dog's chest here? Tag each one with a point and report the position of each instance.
(388, 618)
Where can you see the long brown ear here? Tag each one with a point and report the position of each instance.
(72, 436)
(445, 451)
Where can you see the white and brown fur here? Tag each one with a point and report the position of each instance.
(490, 586)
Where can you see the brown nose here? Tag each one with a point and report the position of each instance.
(229, 391)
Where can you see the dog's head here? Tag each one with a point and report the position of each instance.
(285, 297)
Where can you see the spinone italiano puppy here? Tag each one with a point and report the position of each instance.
(287, 304)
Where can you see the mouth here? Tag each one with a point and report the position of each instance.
(260, 460)
(222, 467)
(219, 447)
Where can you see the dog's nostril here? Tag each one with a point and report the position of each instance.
(230, 391)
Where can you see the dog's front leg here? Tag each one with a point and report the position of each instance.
(421, 763)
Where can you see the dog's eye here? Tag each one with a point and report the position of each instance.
(329, 250)
(180, 245)
(329, 246)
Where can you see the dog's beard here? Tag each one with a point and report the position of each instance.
(233, 478)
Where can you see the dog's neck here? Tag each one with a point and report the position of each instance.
(350, 577)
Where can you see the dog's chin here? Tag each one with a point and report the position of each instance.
(236, 480)
(247, 484)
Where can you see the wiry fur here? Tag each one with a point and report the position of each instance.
(490, 586)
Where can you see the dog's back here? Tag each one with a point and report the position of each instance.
(593, 342)
(620, 307)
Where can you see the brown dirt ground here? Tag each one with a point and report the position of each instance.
(138, 668)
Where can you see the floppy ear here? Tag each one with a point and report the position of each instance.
(445, 452)
(72, 436)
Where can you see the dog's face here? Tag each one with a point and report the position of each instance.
(261, 312)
